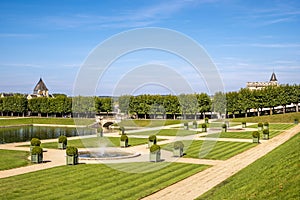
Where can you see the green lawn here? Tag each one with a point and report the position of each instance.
(13, 159)
(166, 132)
(45, 120)
(97, 142)
(242, 134)
(278, 118)
(149, 122)
(95, 181)
(274, 176)
(276, 126)
(221, 150)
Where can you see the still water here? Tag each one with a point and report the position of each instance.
(25, 133)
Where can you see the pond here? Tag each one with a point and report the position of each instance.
(25, 133)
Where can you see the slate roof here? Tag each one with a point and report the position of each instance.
(273, 77)
(40, 86)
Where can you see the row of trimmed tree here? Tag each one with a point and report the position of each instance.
(240, 103)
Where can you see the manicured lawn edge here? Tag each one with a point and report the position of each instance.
(274, 176)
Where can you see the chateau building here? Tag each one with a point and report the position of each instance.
(259, 85)
(40, 90)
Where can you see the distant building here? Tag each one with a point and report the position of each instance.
(259, 85)
(40, 90)
(6, 95)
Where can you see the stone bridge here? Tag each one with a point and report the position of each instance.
(105, 121)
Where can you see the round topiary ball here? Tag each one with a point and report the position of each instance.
(35, 142)
(62, 139)
(71, 151)
(255, 134)
(152, 138)
(178, 145)
(124, 137)
(37, 150)
(154, 148)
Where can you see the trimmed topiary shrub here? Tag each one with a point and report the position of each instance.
(260, 126)
(244, 124)
(71, 151)
(224, 128)
(62, 139)
(266, 125)
(154, 148)
(124, 137)
(195, 124)
(296, 121)
(37, 150)
(72, 155)
(62, 142)
(123, 140)
(37, 154)
(152, 140)
(206, 120)
(178, 145)
(35, 142)
(255, 136)
(266, 134)
(186, 125)
(178, 149)
(204, 127)
(155, 153)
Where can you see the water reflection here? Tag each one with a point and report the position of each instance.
(25, 133)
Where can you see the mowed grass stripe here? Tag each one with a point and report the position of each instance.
(220, 150)
(89, 182)
(163, 178)
(233, 150)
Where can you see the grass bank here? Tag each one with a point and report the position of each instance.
(95, 181)
(43, 120)
(274, 176)
(278, 118)
(148, 122)
(13, 159)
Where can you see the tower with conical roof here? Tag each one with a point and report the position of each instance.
(273, 79)
(41, 89)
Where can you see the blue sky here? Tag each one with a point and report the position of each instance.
(246, 40)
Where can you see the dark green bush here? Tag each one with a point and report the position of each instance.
(124, 137)
(185, 124)
(154, 148)
(266, 124)
(194, 123)
(266, 132)
(71, 151)
(206, 119)
(224, 126)
(243, 122)
(35, 142)
(36, 150)
(178, 145)
(204, 126)
(260, 124)
(152, 138)
(255, 134)
(63, 139)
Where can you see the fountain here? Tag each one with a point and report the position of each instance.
(106, 153)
